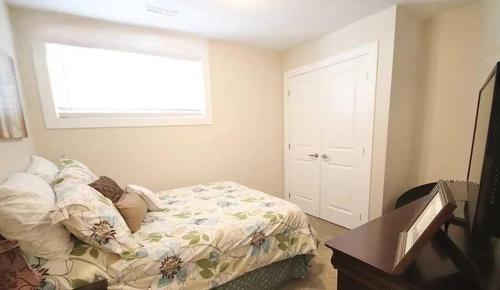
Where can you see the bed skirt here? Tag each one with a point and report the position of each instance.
(271, 276)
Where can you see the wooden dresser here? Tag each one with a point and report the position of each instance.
(364, 258)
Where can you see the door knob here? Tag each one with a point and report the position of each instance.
(324, 156)
(315, 155)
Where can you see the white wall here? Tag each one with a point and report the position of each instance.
(461, 47)
(244, 143)
(404, 104)
(15, 154)
(378, 27)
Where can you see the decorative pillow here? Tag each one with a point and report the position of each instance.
(25, 202)
(133, 209)
(91, 217)
(151, 199)
(108, 187)
(75, 172)
(43, 168)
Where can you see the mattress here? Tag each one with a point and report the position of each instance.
(206, 236)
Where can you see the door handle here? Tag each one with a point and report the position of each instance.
(315, 155)
(324, 156)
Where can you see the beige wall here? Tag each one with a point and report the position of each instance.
(378, 27)
(461, 47)
(490, 40)
(244, 143)
(403, 113)
(15, 154)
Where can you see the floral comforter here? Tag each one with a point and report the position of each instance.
(207, 235)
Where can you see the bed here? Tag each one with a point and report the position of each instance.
(218, 235)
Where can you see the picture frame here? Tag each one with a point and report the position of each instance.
(435, 211)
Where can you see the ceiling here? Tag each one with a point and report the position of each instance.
(277, 24)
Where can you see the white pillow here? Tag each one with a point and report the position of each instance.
(43, 168)
(25, 202)
(151, 199)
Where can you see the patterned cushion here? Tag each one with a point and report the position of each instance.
(108, 187)
(74, 171)
(91, 217)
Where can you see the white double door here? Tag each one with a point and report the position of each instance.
(329, 127)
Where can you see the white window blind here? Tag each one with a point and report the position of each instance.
(107, 83)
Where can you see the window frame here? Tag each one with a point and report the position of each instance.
(112, 120)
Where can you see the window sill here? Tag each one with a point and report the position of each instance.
(116, 122)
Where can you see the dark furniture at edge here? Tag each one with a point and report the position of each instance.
(364, 257)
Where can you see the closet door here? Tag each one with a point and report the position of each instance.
(347, 110)
(302, 168)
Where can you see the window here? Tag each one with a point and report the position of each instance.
(91, 87)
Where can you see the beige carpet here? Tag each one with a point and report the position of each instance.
(322, 275)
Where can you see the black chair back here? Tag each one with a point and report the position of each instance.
(414, 194)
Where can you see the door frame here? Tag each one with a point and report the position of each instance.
(371, 50)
